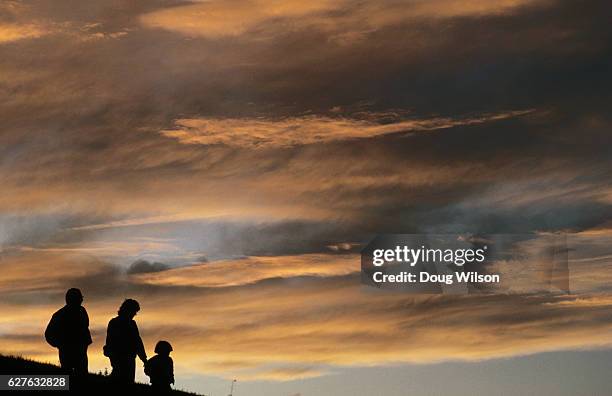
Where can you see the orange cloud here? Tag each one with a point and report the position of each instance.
(254, 269)
(44, 270)
(255, 133)
(294, 326)
(216, 19)
(15, 32)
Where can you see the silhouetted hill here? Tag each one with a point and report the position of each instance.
(94, 384)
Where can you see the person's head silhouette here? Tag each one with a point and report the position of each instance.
(74, 297)
(129, 308)
(163, 348)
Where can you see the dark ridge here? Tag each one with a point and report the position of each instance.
(92, 384)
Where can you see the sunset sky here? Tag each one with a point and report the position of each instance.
(224, 162)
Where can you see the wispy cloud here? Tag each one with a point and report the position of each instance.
(144, 221)
(253, 269)
(265, 133)
(217, 19)
(169, 132)
(15, 32)
(288, 317)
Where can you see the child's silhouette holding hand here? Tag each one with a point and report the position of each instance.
(160, 368)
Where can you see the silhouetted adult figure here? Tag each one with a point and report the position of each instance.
(123, 343)
(68, 331)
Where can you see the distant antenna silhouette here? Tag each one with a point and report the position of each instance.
(232, 387)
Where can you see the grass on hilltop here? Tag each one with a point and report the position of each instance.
(93, 384)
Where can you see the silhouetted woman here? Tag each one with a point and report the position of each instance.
(123, 343)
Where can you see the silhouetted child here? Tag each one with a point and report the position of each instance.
(160, 368)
